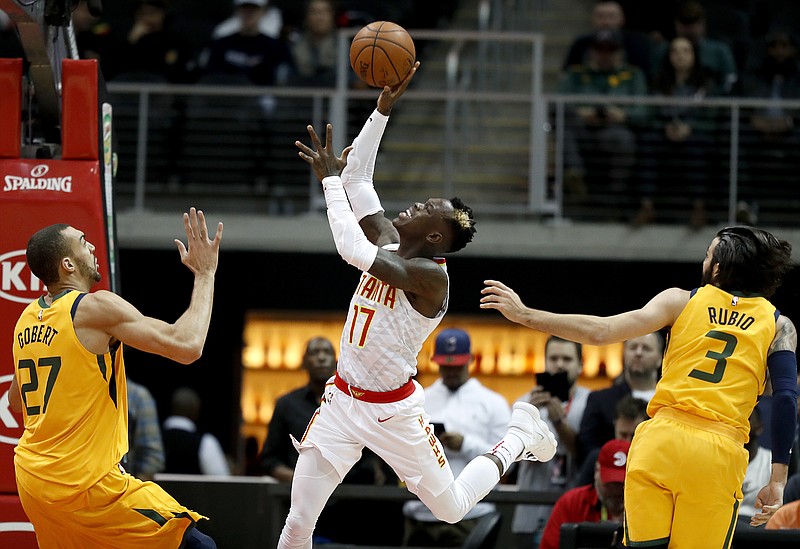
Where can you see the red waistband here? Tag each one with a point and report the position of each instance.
(377, 397)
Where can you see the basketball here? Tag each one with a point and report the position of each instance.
(382, 53)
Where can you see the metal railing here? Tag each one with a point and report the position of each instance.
(476, 123)
(456, 91)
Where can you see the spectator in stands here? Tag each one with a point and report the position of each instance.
(677, 144)
(716, 56)
(95, 39)
(630, 413)
(641, 364)
(145, 455)
(605, 139)
(264, 60)
(777, 77)
(153, 48)
(759, 468)
(770, 141)
(609, 16)
(292, 414)
(314, 49)
(189, 451)
(270, 22)
(294, 410)
(472, 418)
(564, 419)
(601, 501)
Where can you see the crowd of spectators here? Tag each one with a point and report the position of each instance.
(688, 50)
(268, 41)
(282, 43)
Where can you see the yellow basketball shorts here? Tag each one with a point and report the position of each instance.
(683, 485)
(119, 511)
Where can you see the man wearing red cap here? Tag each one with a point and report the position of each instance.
(596, 502)
(472, 418)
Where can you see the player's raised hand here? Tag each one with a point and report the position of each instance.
(321, 158)
(497, 295)
(389, 95)
(200, 254)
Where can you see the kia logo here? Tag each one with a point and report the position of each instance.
(8, 423)
(17, 283)
(40, 170)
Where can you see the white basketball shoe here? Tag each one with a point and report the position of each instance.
(540, 443)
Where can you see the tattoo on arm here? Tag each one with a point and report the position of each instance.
(785, 336)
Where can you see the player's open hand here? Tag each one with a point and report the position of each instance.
(321, 158)
(200, 253)
(497, 295)
(389, 95)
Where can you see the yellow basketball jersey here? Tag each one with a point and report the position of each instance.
(75, 403)
(716, 358)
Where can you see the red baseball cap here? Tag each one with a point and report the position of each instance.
(612, 460)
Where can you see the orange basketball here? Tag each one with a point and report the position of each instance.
(382, 53)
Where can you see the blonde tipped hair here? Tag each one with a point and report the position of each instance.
(462, 218)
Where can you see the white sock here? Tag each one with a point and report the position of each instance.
(508, 449)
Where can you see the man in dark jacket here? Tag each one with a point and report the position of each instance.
(641, 364)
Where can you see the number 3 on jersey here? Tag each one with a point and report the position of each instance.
(721, 359)
(368, 314)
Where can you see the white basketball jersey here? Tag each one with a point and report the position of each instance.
(383, 335)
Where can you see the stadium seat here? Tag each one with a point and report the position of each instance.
(485, 533)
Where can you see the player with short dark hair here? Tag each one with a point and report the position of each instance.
(70, 385)
(688, 462)
(401, 297)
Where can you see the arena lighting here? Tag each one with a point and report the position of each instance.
(500, 348)
(507, 357)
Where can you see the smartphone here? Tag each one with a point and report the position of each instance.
(556, 384)
(438, 428)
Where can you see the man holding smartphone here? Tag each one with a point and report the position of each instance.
(561, 402)
(467, 418)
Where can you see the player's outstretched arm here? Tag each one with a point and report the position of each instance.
(659, 312)
(421, 278)
(111, 316)
(361, 196)
(782, 364)
(357, 175)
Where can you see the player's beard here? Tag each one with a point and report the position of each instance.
(89, 273)
(708, 277)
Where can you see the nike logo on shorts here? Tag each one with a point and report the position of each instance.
(384, 419)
